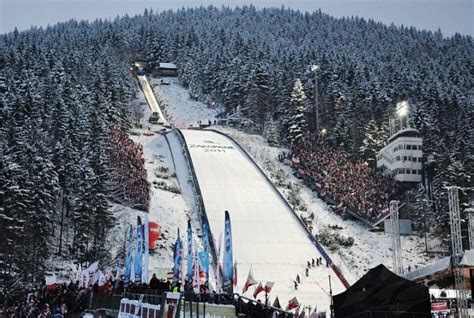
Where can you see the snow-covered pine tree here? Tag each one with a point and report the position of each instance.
(271, 132)
(297, 122)
(375, 139)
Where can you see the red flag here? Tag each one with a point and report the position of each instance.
(258, 290)
(51, 282)
(235, 273)
(292, 304)
(268, 287)
(250, 282)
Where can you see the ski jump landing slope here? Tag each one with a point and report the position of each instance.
(266, 234)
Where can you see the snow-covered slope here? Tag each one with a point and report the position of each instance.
(266, 235)
(180, 109)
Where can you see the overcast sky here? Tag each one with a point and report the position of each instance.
(450, 15)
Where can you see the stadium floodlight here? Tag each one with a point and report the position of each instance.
(402, 108)
(314, 67)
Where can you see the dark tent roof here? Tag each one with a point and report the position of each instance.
(383, 291)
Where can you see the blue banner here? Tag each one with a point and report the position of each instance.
(228, 271)
(139, 252)
(189, 275)
(205, 238)
(177, 253)
(128, 259)
(146, 252)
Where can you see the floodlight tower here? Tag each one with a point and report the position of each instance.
(457, 250)
(315, 68)
(402, 112)
(396, 243)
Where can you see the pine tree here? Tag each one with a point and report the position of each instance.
(271, 132)
(297, 122)
(375, 139)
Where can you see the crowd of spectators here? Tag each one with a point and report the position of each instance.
(39, 300)
(348, 184)
(128, 166)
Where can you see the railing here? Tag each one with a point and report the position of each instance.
(321, 250)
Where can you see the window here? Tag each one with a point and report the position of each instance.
(408, 147)
(397, 158)
(405, 158)
(413, 159)
(413, 172)
(419, 172)
(420, 159)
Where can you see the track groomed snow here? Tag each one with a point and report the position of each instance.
(266, 234)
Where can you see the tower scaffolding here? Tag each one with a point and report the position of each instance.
(396, 243)
(457, 250)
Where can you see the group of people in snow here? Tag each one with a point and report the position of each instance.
(309, 265)
(347, 183)
(129, 169)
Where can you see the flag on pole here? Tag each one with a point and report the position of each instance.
(51, 281)
(235, 273)
(189, 275)
(292, 304)
(258, 290)
(128, 260)
(205, 237)
(268, 287)
(139, 252)
(146, 246)
(218, 269)
(276, 303)
(196, 277)
(250, 282)
(177, 256)
(228, 257)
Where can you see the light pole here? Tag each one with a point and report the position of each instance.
(402, 111)
(314, 68)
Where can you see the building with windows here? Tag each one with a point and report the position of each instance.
(402, 157)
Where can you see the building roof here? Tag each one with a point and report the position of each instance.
(407, 132)
(168, 66)
(430, 269)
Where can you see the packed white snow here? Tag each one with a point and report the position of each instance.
(267, 237)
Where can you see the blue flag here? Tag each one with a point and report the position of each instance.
(177, 253)
(128, 259)
(205, 238)
(139, 252)
(228, 272)
(146, 244)
(189, 274)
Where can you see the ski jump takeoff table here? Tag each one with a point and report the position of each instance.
(266, 234)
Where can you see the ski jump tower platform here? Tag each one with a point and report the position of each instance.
(268, 236)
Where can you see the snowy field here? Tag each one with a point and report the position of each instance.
(150, 97)
(266, 235)
(369, 249)
(171, 210)
(179, 108)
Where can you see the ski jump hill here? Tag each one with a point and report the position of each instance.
(268, 236)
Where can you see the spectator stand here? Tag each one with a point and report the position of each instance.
(348, 187)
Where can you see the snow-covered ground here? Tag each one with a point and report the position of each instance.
(150, 97)
(369, 249)
(179, 108)
(267, 237)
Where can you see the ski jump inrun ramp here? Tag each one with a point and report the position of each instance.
(267, 235)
